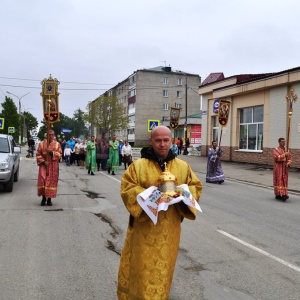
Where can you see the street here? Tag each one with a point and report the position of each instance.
(243, 246)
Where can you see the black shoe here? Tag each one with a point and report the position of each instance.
(221, 181)
(43, 203)
(113, 173)
(108, 170)
(278, 197)
(92, 173)
(284, 197)
(49, 203)
(89, 171)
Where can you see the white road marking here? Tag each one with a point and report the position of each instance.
(110, 176)
(260, 251)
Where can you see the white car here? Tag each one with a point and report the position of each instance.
(9, 162)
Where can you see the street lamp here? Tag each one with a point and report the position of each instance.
(19, 112)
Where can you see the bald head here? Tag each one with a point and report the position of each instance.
(161, 139)
(160, 129)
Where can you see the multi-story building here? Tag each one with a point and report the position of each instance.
(148, 94)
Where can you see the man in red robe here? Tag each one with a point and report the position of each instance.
(282, 161)
(47, 156)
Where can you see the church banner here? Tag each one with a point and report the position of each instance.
(174, 117)
(50, 99)
(224, 109)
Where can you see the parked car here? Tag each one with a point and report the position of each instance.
(9, 162)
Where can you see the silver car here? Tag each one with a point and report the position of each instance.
(9, 162)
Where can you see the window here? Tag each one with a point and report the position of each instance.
(165, 106)
(131, 105)
(132, 119)
(251, 128)
(132, 80)
(179, 81)
(165, 118)
(165, 93)
(130, 131)
(177, 105)
(215, 128)
(4, 145)
(166, 80)
(131, 93)
(179, 94)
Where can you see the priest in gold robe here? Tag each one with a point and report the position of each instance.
(149, 253)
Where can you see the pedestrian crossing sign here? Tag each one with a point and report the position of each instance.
(1, 123)
(11, 129)
(152, 124)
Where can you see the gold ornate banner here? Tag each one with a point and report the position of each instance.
(174, 117)
(224, 109)
(50, 99)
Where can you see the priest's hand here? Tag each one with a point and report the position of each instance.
(50, 152)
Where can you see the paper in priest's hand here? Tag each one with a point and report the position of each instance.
(152, 200)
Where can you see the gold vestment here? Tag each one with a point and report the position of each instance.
(150, 251)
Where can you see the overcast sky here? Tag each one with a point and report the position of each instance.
(100, 43)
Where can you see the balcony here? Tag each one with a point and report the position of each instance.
(131, 111)
(131, 137)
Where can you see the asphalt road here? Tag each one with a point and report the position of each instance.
(243, 246)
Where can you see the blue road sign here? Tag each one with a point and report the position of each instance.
(66, 130)
(1, 123)
(152, 124)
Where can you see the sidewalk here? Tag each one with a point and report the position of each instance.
(259, 175)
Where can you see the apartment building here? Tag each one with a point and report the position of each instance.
(148, 94)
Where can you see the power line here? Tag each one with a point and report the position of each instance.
(100, 89)
(68, 82)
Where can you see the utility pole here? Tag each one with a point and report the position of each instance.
(185, 124)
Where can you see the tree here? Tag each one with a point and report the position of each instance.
(11, 116)
(79, 127)
(106, 113)
(64, 122)
(30, 122)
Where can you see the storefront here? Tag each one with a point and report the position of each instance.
(258, 115)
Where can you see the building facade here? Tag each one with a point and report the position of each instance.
(148, 94)
(258, 115)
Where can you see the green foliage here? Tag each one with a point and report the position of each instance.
(10, 114)
(106, 112)
(79, 127)
(76, 124)
(30, 121)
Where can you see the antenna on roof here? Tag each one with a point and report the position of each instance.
(164, 62)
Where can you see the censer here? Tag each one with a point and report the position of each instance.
(167, 183)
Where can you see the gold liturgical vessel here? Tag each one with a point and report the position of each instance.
(167, 182)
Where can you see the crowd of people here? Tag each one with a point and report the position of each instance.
(95, 154)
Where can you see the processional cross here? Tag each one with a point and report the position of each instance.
(291, 97)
